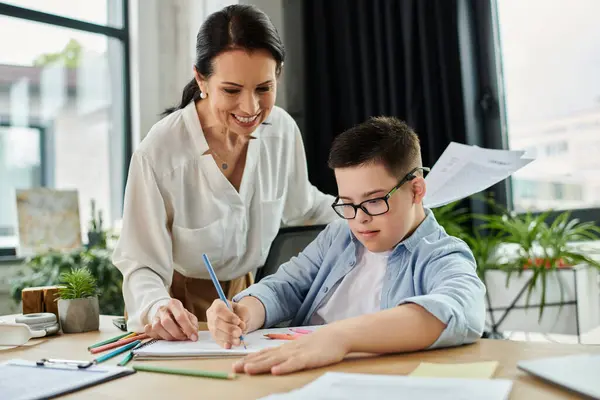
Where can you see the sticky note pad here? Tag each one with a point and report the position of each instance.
(477, 370)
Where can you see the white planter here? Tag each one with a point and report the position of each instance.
(579, 283)
(79, 315)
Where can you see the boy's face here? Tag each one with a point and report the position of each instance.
(368, 182)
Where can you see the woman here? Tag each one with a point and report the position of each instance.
(217, 175)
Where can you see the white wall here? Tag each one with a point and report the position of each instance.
(163, 39)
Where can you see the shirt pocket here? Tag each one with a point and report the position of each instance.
(189, 244)
(271, 212)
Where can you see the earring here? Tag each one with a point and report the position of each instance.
(202, 95)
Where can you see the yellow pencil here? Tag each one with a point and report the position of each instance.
(130, 335)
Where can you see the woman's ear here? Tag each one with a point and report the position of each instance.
(200, 80)
(419, 188)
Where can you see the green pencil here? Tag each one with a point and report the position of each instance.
(129, 356)
(126, 359)
(107, 341)
(187, 372)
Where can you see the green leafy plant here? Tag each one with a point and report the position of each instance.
(79, 283)
(46, 268)
(454, 218)
(532, 243)
(543, 247)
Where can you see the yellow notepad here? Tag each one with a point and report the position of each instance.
(477, 370)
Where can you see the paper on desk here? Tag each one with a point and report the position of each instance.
(207, 347)
(477, 370)
(463, 170)
(335, 385)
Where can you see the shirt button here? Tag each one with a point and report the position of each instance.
(326, 289)
(352, 263)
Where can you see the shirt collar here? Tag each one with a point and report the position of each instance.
(427, 227)
(192, 124)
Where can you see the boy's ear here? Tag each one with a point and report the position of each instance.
(419, 188)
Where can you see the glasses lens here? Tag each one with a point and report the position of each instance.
(345, 211)
(376, 206)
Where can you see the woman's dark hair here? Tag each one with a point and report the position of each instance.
(238, 26)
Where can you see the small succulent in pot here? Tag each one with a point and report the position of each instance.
(78, 308)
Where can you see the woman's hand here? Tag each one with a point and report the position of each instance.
(314, 350)
(227, 326)
(173, 322)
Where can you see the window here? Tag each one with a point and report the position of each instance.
(64, 101)
(557, 148)
(549, 55)
(101, 12)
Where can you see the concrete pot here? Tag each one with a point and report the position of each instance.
(79, 315)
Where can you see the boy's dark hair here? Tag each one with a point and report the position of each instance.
(385, 140)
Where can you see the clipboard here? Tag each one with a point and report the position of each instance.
(46, 379)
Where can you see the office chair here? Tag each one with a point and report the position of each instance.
(288, 243)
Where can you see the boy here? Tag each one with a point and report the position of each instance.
(385, 278)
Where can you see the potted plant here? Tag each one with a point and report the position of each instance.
(528, 261)
(44, 269)
(78, 308)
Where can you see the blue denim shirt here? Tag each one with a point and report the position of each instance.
(429, 268)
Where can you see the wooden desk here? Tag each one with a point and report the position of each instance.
(150, 386)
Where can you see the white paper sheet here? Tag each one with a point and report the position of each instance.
(207, 347)
(23, 380)
(335, 385)
(463, 170)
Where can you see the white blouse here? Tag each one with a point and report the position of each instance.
(179, 205)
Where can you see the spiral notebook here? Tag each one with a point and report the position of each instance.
(206, 347)
(28, 380)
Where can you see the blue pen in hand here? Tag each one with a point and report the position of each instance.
(213, 276)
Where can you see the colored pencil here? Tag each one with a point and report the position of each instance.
(129, 355)
(116, 352)
(118, 343)
(107, 341)
(132, 334)
(187, 372)
(218, 287)
(281, 336)
(300, 331)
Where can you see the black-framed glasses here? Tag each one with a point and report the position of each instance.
(373, 207)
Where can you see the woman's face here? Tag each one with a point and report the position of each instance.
(241, 91)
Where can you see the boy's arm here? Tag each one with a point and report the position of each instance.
(452, 313)
(282, 293)
(455, 296)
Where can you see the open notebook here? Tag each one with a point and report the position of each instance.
(207, 347)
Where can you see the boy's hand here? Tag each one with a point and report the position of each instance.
(226, 326)
(314, 350)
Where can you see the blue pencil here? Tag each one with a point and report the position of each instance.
(213, 276)
(116, 352)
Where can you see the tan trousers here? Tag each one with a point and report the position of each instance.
(197, 295)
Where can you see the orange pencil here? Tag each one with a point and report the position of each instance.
(281, 336)
(118, 343)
